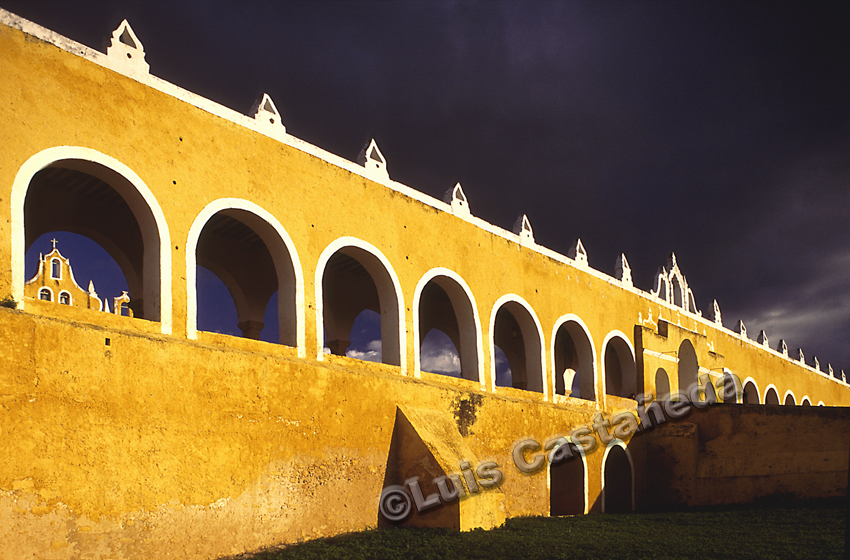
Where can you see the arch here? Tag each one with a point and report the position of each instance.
(678, 293)
(618, 479)
(573, 349)
(771, 396)
(528, 357)
(806, 401)
(820, 403)
(688, 367)
(618, 364)
(731, 391)
(662, 385)
(390, 299)
(751, 393)
(467, 324)
(45, 294)
(287, 266)
(568, 496)
(55, 268)
(789, 395)
(154, 284)
(65, 297)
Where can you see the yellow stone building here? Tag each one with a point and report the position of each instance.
(129, 435)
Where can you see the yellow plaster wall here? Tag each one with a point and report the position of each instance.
(223, 444)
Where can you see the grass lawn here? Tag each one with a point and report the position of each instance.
(788, 532)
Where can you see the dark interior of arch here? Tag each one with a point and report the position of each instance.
(60, 198)
(688, 367)
(572, 351)
(566, 490)
(348, 289)
(238, 256)
(437, 312)
(508, 336)
(618, 482)
(662, 385)
(751, 394)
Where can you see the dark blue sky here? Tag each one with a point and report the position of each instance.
(717, 130)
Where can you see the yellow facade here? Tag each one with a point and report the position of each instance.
(127, 435)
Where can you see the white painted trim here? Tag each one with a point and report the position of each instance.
(562, 320)
(494, 310)
(38, 294)
(661, 355)
(49, 156)
(70, 298)
(788, 392)
(329, 251)
(417, 295)
(584, 465)
(617, 443)
(805, 399)
(194, 235)
(608, 338)
(820, 403)
(775, 390)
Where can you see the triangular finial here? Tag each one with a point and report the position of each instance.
(741, 329)
(800, 356)
(373, 160)
(622, 270)
(126, 51)
(762, 338)
(457, 199)
(816, 363)
(266, 114)
(671, 261)
(782, 347)
(522, 227)
(714, 314)
(578, 253)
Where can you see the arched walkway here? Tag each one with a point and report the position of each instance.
(662, 385)
(771, 396)
(751, 392)
(688, 368)
(790, 400)
(516, 331)
(112, 206)
(619, 364)
(573, 359)
(352, 276)
(251, 253)
(443, 302)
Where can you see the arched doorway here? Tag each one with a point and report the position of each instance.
(771, 396)
(567, 482)
(662, 385)
(618, 479)
(688, 368)
(751, 393)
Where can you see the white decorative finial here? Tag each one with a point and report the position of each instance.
(373, 160)
(266, 114)
(578, 253)
(457, 199)
(522, 227)
(622, 270)
(126, 51)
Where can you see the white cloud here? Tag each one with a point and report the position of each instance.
(372, 353)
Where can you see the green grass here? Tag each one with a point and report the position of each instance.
(790, 532)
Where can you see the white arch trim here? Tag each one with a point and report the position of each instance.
(806, 399)
(191, 264)
(417, 295)
(820, 403)
(756, 385)
(578, 446)
(788, 392)
(570, 317)
(767, 390)
(739, 388)
(329, 251)
(608, 337)
(498, 305)
(19, 193)
(617, 443)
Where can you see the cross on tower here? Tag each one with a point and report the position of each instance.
(54, 242)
